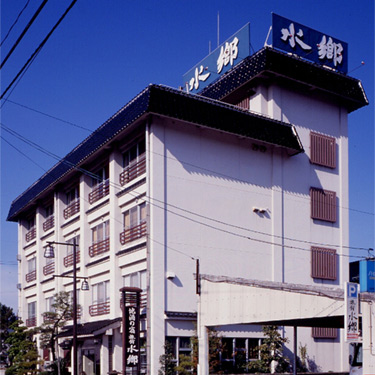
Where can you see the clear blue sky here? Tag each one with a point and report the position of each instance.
(106, 51)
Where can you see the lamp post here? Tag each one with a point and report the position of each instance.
(50, 253)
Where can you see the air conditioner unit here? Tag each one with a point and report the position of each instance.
(19, 286)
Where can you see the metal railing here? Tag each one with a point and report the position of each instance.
(49, 223)
(49, 269)
(31, 234)
(99, 192)
(133, 233)
(31, 276)
(99, 309)
(133, 170)
(99, 248)
(68, 260)
(71, 209)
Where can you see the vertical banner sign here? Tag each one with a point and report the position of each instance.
(228, 54)
(308, 43)
(132, 336)
(351, 312)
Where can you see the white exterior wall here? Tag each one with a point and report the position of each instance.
(202, 187)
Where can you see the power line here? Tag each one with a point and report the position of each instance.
(48, 115)
(82, 170)
(33, 18)
(38, 49)
(14, 23)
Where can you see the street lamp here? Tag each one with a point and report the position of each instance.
(49, 252)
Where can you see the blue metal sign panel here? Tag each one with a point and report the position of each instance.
(367, 275)
(228, 54)
(308, 43)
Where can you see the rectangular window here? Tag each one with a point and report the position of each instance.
(31, 265)
(135, 216)
(72, 195)
(136, 279)
(30, 223)
(323, 205)
(100, 292)
(100, 175)
(132, 155)
(49, 210)
(31, 310)
(323, 333)
(69, 249)
(323, 263)
(49, 304)
(322, 150)
(100, 232)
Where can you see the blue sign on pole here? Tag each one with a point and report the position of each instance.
(228, 54)
(367, 275)
(308, 43)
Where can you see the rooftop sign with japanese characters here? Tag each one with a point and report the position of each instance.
(228, 54)
(308, 43)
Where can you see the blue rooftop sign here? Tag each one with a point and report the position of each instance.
(224, 57)
(308, 43)
(367, 275)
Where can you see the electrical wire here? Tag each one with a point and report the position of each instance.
(14, 23)
(48, 115)
(33, 18)
(187, 211)
(38, 49)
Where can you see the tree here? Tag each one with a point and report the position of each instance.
(7, 319)
(62, 311)
(23, 352)
(271, 352)
(167, 361)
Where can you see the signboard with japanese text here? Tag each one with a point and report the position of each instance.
(351, 312)
(227, 55)
(367, 275)
(308, 43)
(133, 352)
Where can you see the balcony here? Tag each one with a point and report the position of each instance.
(49, 319)
(31, 276)
(133, 233)
(79, 314)
(99, 248)
(49, 223)
(31, 234)
(71, 209)
(49, 269)
(99, 309)
(68, 260)
(133, 170)
(31, 322)
(99, 192)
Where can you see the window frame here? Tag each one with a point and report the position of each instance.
(324, 263)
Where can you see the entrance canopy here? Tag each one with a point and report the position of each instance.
(241, 301)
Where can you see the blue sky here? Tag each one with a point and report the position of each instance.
(106, 51)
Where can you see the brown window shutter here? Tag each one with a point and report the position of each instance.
(322, 150)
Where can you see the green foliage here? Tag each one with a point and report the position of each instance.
(53, 369)
(270, 350)
(185, 365)
(167, 361)
(302, 360)
(23, 353)
(53, 320)
(7, 319)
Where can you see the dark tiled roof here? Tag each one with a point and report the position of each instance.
(272, 64)
(88, 328)
(170, 103)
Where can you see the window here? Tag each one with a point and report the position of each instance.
(323, 263)
(72, 202)
(49, 304)
(49, 222)
(49, 210)
(134, 223)
(100, 239)
(133, 162)
(324, 333)
(100, 175)
(323, 204)
(31, 314)
(72, 195)
(68, 259)
(31, 270)
(100, 299)
(100, 292)
(322, 150)
(179, 346)
(132, 155)
(136, 279)
(100, 232)
(31, 230)
(99, 184)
